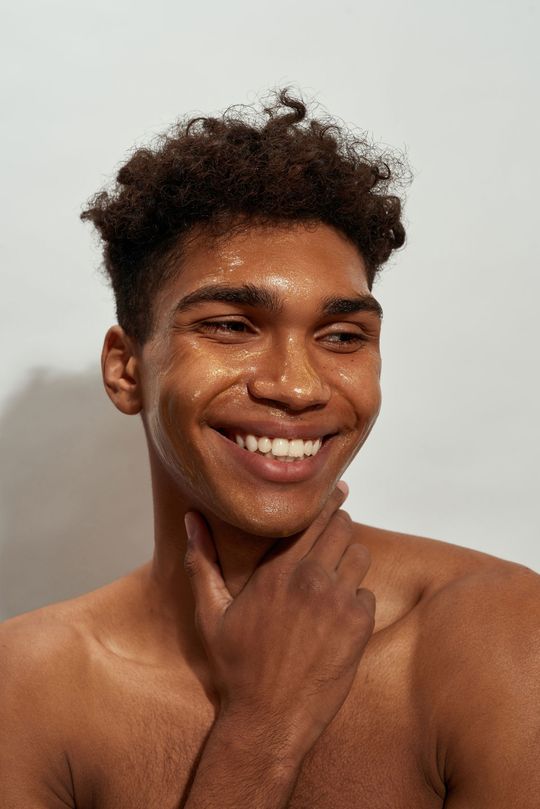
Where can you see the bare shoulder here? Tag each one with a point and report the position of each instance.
(474, 622)
(432, 563)
(40, 653)
(464, 596)
(409, 571)
(58, 638)
(476, 678)
(37, 634)
(47, 677)
(482, 626)
(482, 646)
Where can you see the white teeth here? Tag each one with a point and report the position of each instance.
(296, 448)
(265, 445)
(279, 448)
(251, 443)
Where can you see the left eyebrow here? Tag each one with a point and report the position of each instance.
(348, 306)
(261, 297)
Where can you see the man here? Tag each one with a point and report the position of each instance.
(272, 653)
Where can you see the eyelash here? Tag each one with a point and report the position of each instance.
(216, 326)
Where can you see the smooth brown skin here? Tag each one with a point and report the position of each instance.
(110, 700)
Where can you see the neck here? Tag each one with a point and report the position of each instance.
(172, 605)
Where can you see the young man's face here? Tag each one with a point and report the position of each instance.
(264, 335)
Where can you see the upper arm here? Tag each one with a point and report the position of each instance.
(489, 706)
(496, 763)
(34, 770)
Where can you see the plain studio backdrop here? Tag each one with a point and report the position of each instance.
(454, 454)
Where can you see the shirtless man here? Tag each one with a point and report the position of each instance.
(284, 656)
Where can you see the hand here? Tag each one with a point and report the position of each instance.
(287, 648)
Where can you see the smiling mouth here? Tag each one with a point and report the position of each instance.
(277, 449)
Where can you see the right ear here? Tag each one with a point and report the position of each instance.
(121, 371)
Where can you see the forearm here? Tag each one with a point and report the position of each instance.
(244, 765)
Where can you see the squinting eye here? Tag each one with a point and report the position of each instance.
(223, 326)
(345, 338)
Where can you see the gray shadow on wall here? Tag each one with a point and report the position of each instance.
(75, 497)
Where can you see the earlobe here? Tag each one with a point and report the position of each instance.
(120, 369)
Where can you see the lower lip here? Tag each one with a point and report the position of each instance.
(277, 471)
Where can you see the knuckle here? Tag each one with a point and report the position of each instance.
(344, 516)
(341, 520)
(361, 623)
(340, 602)
(334, 501)
(340, 529)
(311, 577)
(191, 564)
(366, 605)
(360, 554)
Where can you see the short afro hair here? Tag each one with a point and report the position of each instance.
(277, 165)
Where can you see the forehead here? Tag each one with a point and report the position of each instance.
(298, 261)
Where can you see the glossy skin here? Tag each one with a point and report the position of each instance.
(439, 712)
(219, 363)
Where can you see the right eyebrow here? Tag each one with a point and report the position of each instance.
(244, 295)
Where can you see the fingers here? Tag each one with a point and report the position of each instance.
(366, 599)
(200, 562)
(353, 566)
(333, 542)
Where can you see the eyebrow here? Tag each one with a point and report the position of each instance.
(263, 298)
(348, 306)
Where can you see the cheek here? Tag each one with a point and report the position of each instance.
(175, 407)
(361, 388)
(163, 418)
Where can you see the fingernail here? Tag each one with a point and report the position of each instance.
(342, 486)
(191, 526)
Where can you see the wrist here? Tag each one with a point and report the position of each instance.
(278, 744)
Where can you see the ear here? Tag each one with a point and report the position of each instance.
(121, 371)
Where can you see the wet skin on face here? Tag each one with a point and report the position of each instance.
(271, 330)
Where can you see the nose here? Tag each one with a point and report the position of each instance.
(287, 377)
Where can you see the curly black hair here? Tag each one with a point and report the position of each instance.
(274, 166)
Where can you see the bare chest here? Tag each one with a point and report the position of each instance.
(141, 744)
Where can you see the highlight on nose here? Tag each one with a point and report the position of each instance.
(295, 384)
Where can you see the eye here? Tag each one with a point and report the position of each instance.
(345, 340)
(225, 328)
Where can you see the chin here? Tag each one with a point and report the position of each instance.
(273, 519)
(278, 530)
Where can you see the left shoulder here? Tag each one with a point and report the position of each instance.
(479, 646)
(494, 606)
(447, 581)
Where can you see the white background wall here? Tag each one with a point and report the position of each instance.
(455, 452)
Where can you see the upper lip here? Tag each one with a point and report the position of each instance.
(275, 429)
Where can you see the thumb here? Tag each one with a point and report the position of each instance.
(201, 564)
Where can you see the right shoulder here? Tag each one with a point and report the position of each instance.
(40, 655)
(61, 639)
(36, 640)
